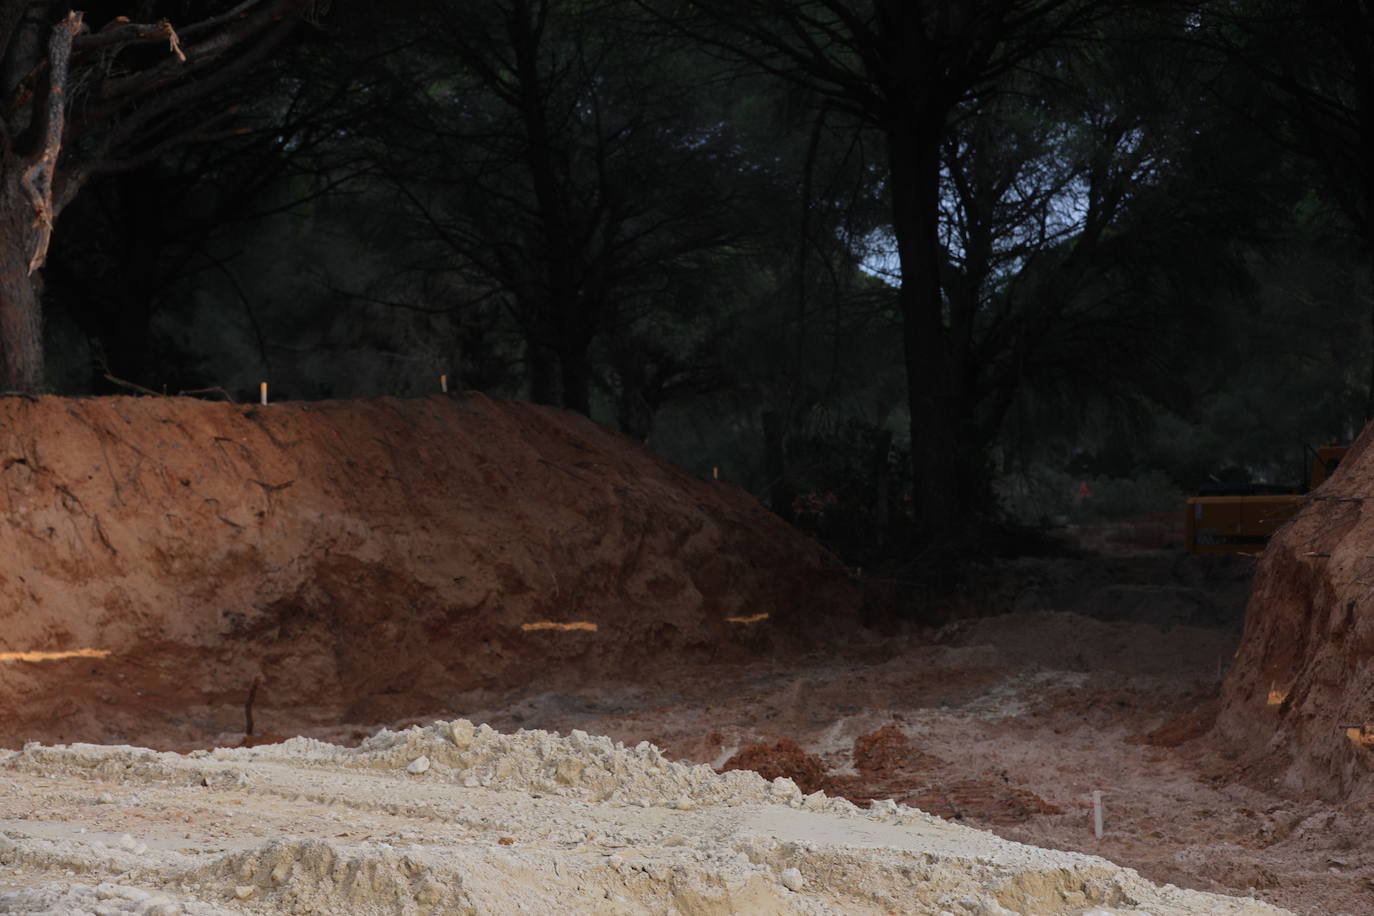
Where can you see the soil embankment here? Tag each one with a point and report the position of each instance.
(365, 559)
(1299, 700)
(393, 562)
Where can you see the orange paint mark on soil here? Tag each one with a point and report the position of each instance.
(583, 625)
(52, 656)
(1361, 734)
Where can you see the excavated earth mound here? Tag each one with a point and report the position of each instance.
(1299, 700)
(462, 819)
(363, 560)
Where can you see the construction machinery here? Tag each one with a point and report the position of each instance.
(1240, 518)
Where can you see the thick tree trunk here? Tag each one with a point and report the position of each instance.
(21, 322)
(938, 486)
(30, 202)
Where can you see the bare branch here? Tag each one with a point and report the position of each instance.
(37, 179)
(115, 92)
(205, 25)
(198, 134)
(182, 95)
(128, 33)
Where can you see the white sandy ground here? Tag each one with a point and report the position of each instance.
(453, 818)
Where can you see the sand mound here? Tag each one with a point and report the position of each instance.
(309, 827)
(1299, 699)
(364, 558)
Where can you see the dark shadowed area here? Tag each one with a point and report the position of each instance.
(808, 387)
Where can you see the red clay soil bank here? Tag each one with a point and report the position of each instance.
(364, 556)
(1300, 695)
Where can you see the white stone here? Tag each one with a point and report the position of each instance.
(792, 879)
(885, 806)
(418, 765)
(461, 733)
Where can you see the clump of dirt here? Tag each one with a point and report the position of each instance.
(984, 800)
(887, 765)
(781, 758)
(890, 767)
(887, 752)
(1190, 726)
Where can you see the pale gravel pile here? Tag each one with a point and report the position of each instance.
(457, 818)
(583, 766)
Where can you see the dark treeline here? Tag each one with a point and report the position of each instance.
(901, 267)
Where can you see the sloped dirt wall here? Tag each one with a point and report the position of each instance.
(372, 552)
(1299, 698)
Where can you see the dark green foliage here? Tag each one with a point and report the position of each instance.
(1135, 252)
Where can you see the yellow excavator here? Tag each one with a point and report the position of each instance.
(1240, 518)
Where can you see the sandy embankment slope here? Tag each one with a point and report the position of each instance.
(456, 819)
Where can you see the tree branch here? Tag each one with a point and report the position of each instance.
(37, 179)
(194, 57)
(188, 92)
(131, 33)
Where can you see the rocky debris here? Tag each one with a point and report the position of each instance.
(314, 827)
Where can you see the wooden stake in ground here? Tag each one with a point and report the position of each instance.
(248, 706)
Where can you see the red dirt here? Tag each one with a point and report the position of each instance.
(886, 752)
(366, 559)
(376, 563)
(1302, 686)
(889, 767)
(1012, 721)
(780, 759)
(982, 799)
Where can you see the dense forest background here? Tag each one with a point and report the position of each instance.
(899, 267)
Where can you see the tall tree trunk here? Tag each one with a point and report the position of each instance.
(938, 488)
(29, 205)
(21, 322)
